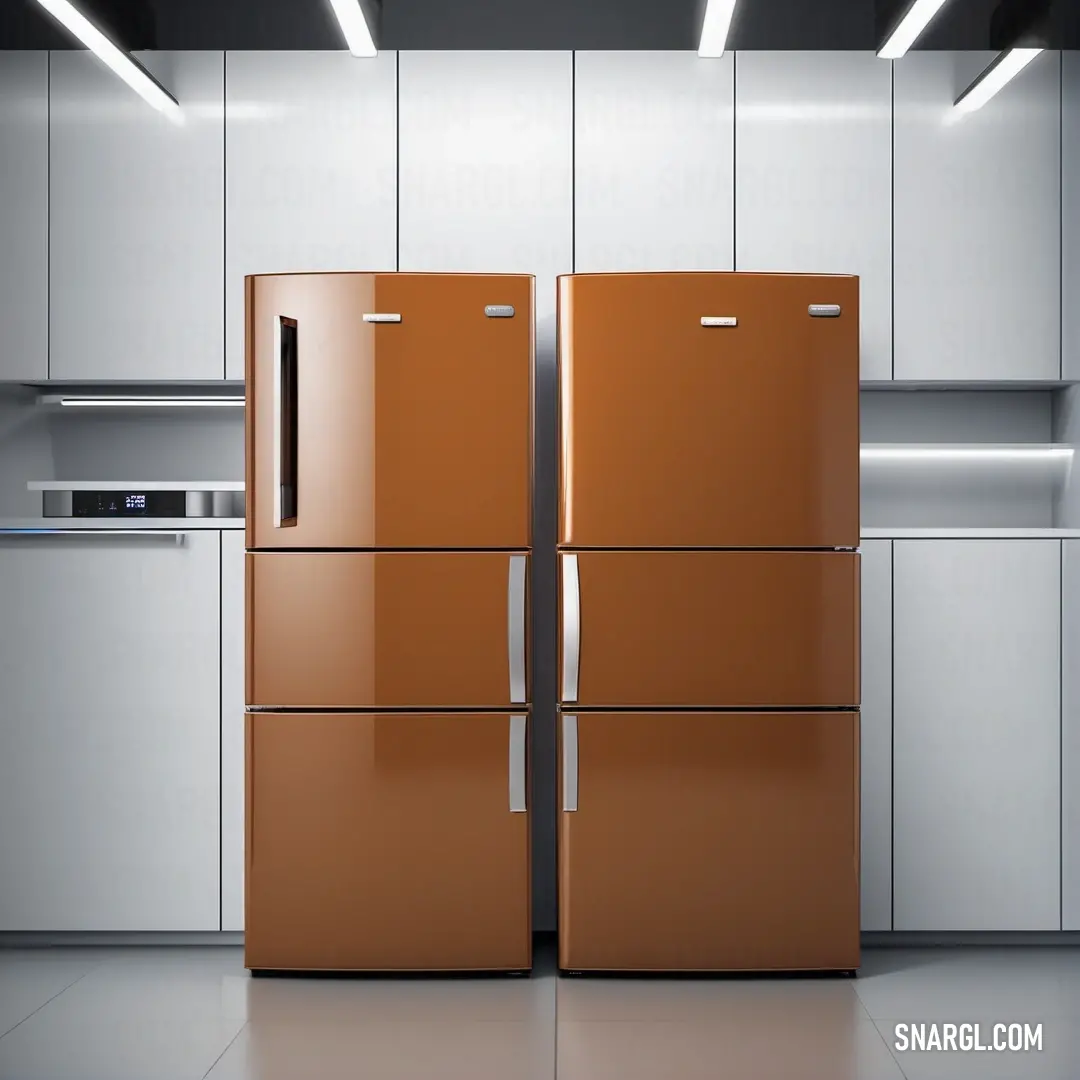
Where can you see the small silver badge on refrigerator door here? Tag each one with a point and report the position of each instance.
(499, 311)
(719, 320)
(381, 317)
(825, 311)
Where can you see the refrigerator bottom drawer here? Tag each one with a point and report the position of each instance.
(385, 842)
(709, 841)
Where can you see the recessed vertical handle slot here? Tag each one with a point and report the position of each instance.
(571, 618)
(286, 422)
(569, 763)
(515, 631)
(518, 758)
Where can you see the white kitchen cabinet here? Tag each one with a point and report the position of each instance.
(232, 730)
(109, 732)
(1070, 736)
(654, 163)
(311, 158)
(876, 736)
(24, 215)
(813, 177)
(1070, 206)
(977, 208)
(137, 222)
(977, 682)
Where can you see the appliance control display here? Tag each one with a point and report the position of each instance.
(151, 504)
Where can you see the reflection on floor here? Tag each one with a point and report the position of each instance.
(190, 1013)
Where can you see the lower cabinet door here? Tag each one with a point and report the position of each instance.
(385, 842)
(709, 841)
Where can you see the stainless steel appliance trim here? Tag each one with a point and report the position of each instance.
(499, 311)
(59, 504)
(569, 764)
(381, 317)
(571, 602)
(198, 504)
(518, 753)
(515, 637)
(825, 311)
(277, 421)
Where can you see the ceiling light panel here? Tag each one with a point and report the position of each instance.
(113, 57)
(715, 28)
(358, 35)
(910, 27)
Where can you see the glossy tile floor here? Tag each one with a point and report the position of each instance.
(189, 1013)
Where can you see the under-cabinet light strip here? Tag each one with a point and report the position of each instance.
(113, 57)
(966, 453)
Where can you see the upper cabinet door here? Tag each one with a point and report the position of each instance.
(1070, 225)
(390, 411)
(740, 433)
(137, 222)
(310, 170)
(977, 223)
(24, 214)
(654, 157)
(813, 179)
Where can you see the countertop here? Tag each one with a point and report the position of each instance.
(136, 485)
(87, 524)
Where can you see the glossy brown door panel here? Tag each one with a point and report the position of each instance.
(408, 434)
(437, 630)
(675, 434)
(386, 842)
(709, 842)
(722, 629)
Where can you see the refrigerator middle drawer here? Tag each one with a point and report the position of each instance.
(709, 629)
(358, 630)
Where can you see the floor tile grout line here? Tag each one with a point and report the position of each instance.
(74, 982)
(217, 1060)
(892, 1052)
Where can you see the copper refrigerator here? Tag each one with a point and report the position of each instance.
(709, 641)
(389, 476)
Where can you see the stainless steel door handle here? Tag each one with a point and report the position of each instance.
(569, 763)
(571, 613)
(515, 630)
(178, 538)
(518, 756)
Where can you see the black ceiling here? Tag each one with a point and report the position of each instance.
(531, 24)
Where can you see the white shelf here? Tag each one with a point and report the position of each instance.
(135, 485)
(968, 533)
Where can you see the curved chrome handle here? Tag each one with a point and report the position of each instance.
(569, 763)
(571, 614)
(515, 629)
(517, 765)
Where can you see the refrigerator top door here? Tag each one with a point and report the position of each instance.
(389, 411)
(709, 410)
